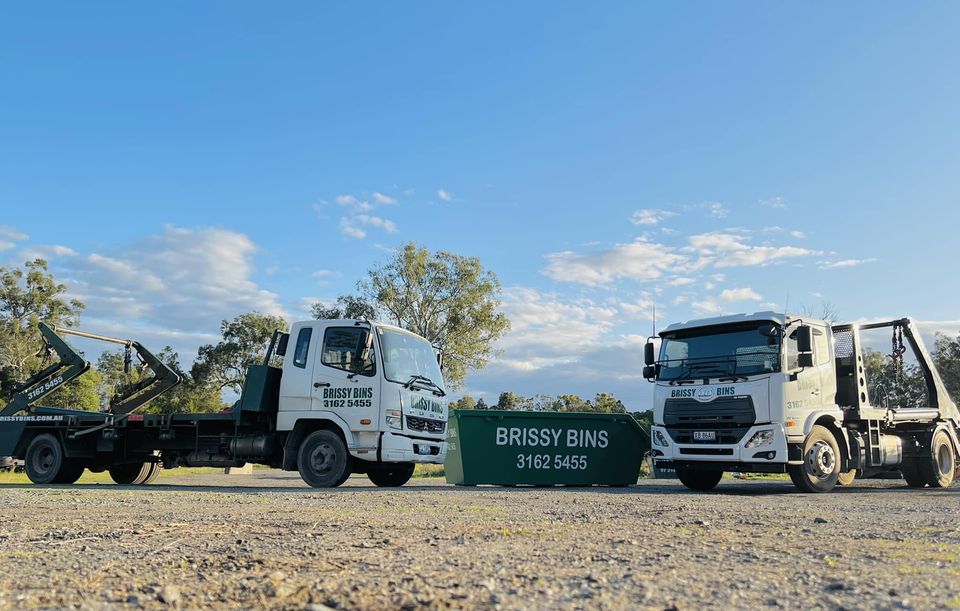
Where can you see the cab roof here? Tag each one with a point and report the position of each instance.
(777, 317)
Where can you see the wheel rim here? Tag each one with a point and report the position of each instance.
(43, 460)
(821, 460)
(323, 458)
(945, 460)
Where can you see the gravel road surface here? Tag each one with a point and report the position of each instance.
(265, 540)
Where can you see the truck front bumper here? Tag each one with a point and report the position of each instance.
(400, 448)
(769, 457)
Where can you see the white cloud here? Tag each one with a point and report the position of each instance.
(706, 306)
(845, 263)
(639, 260)
(731, 250)
(681, 281)
(375, 221)
(350, 230)
(740, 294)
(5, 245)
(46, 251)
(798, 234)
(444, 195)
(650, 216)
(12, 234)
(324, 273)
(349, 201)
(179, 283)
(718, 210)
(380, 198)
(774, 202)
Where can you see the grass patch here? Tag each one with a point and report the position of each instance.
(423, 471)
(89, 477)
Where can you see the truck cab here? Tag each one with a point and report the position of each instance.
(380, 385)
(774, 393)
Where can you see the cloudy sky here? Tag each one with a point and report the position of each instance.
(187, 162)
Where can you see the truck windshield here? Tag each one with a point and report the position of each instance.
(406, 356)
(729, 351)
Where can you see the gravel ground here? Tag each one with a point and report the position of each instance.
(265, 540)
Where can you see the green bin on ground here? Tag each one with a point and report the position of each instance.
(543, 448)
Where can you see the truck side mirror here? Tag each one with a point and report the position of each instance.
(805, 359)
(440, 360)
(281, 349)
(650, 372)
(804, 339)
(648, 356)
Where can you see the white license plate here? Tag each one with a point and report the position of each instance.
(424, 450)
(704, 435)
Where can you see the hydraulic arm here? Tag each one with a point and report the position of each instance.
(71, 364)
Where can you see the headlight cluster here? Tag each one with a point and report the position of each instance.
(760, 439)
(394, 419)
(659, 439)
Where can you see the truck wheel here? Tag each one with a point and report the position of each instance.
(44, 459)
(153, 473)
(911, 474)
(70, 472)
(820, 470)
(390, 476)
(323, 460)
(846, 479)
(938, 470)
(130, 474)
(695, 479)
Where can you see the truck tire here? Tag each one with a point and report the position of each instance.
(154, 473)
(695, 479)
(939, 467)
(847, 477)
(70, 472)
(130, 474)
(391, 476)
(820, 470)
(910, 471)
(44, 459)
(323, 460)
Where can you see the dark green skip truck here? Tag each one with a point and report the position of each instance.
(352, 396)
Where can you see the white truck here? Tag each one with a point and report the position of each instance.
(351, 396)
(773, 393)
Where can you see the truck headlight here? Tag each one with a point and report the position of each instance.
(659, 439)
(760, 439)
(394, 419)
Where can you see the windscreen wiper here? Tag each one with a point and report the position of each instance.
(424, 379)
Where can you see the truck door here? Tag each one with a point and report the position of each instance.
(296, 384)
(345, 377)
(803, 393)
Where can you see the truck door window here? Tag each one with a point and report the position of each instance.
(822, 347)
(303, 346)
(345, 348)
(793, 358)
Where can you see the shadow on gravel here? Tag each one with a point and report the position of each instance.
(738, 489)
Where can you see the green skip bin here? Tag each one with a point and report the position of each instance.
(543, 448)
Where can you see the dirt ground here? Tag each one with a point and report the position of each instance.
(266, 540)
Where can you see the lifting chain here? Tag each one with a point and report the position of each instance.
(898, 350)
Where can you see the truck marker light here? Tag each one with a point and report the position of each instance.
(791, 423)
(365, 421)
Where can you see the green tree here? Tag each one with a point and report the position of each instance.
(892, 386)
(465, 402)
(245, 340)
(481, 404)
(446, 298)
(82, 392)
(28, 296)
(946, 356)
(569, 403)
(347, 306)
(608, 404)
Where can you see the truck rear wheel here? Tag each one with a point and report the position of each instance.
(695, 479)
(154, 473)
(911, 474)
(939, 468)
(820, 470)
(44, 459)
(847, 478)
(70, 472)
(323, 460)
(389, 476)
(130, 474)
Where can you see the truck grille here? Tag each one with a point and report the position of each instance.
(426, 426)
(729, 418)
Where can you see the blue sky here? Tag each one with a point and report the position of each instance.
(182, 163)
